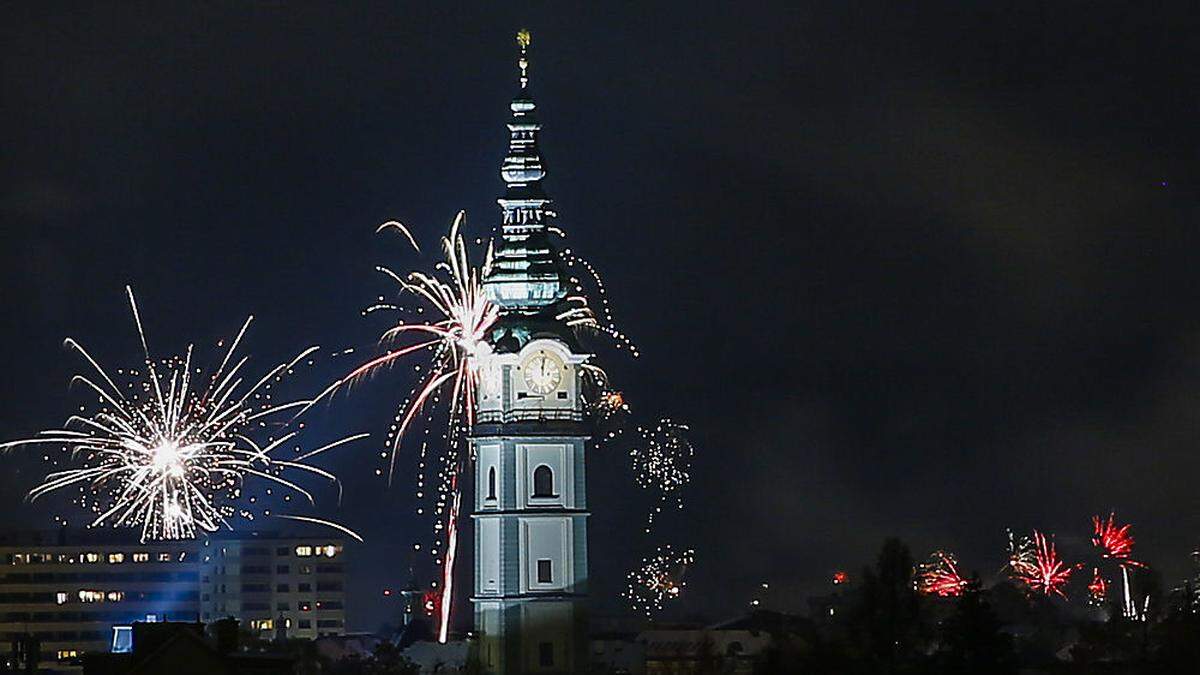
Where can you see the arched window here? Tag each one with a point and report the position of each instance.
(491, 482)
(543, 482)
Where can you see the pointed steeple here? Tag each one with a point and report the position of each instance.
(526, 275)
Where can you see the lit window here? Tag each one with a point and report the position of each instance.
(262, 624)
(164, 557)
(182, 555)
(91, 596)
(330, 551)
(543, 572)
(91, 557)
(141, 557)
(115, 596)
(543, 482)
(61, 597)
(114, 558)
(64, 654)
(304, 551)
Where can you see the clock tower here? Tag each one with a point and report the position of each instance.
(530, 435)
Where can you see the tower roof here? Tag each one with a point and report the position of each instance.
(526, 275)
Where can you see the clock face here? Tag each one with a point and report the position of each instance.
(543, 373)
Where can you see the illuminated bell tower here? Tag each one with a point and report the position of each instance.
(530, 436)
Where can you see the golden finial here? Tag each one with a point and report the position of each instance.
(523, 40)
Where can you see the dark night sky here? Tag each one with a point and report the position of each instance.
(925, 271)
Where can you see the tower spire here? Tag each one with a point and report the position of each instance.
(525, 275)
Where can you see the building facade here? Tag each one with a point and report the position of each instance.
(530, 436)
(68, 589)
(276, 585)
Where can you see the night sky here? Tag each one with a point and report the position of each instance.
(918, 271)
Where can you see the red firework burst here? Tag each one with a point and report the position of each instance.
(1113, 542)
(840, 577)
(1098, 588)
(1046, 573)
(940, 576)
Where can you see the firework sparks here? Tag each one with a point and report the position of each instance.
(1097, 588)
(1113, 542)
(662, 463)
(939, 576)
(840, 577)
(1035, 563)
(170, 452)
(659, 579)
(456, 338)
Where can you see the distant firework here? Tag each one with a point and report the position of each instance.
(170, 451)
(659, 579)
(662, 463)
(939, 576)
(1097, 588)
(840, 577)
(1113, 541)
(1041, 571)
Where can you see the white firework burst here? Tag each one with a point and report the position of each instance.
(170, 452)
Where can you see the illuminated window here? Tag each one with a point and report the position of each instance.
(543, 572)
(114, 558)
(91, 596)
(164, 557)
(304, 551)
(115, 596)
(491, 483)
(330, 551)
(262, 624)
(91, 557)
(543, 482)
(182, 555)
(19, 559)
(61, 597)
(64, 654)
(141, 557)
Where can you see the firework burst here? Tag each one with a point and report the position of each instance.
(1035, 563)
(1112, 541)
(939, 576)
(169, 452)
(659, 579)
(457, 337)
(1097, 588)
(662, 463)
(456, 340)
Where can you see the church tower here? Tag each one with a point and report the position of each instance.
(530, 435)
